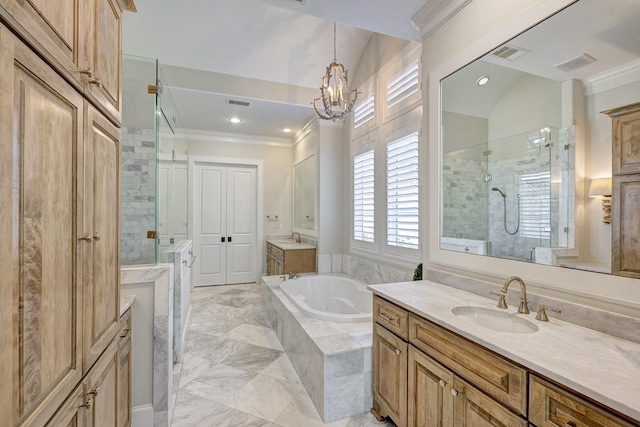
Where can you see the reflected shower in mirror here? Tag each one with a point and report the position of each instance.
(522, 133)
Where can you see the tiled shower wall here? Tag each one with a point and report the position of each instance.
(464, 198)
(137, 196)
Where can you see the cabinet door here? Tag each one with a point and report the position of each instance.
(390, 375)
(73, 412)
(54, 28)
(101, 389)
(101, 268)
(103, 52)
(429, 390)
(41, 120)
(625, 260)
(474, 408)
(626, 140)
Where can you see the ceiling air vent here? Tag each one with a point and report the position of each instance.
(237, 102)
(575, 63)
(297, 1)
(509, 52)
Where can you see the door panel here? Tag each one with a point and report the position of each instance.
(241, 224)
(209, 224)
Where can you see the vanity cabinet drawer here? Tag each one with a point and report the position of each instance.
(551, 406)
(275, 252)
(492, 374)
(392, 317)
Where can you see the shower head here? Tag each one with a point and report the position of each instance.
(499, 191)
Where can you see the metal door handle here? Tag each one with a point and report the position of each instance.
(222, 239)
(229, 239)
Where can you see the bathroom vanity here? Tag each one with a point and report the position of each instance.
(288, 256)
(446, 357)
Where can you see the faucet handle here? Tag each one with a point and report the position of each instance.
(542, 312)
(501, 302)
(524, 306)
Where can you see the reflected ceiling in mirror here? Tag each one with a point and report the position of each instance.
(518, 150)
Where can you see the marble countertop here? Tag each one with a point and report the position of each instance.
(287, 245)
(126, 301)
(602, 367)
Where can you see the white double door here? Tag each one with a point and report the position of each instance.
(225, 224)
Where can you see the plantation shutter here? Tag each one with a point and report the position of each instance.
(363, 197)
(403, 192)
(535, 205)
(403, 85)
(364, 112)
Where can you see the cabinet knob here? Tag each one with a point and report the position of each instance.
(96, 81)
(97, 236)
(398, 351)
(95, 391)
(454, 392)
(88, 404)
(87, 238)
(88, 72)
(443, 383)
(125, 332)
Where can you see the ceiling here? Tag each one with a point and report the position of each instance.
(269, 52)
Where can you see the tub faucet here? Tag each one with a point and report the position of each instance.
(296, 236)
(524, 305)
(290, 276)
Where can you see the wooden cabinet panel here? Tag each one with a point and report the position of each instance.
(390, 375)
(626, 139)
(496, 376)
(474, 408)
(626, 226)
(550, 406)
(73, 413)
(430, 402)
(41, 137)
(101, 267)
(392, 317)
(100, 386)
(54, 28)
(103, 55)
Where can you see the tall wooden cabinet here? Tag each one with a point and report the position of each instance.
(59, 186)
(625, 201)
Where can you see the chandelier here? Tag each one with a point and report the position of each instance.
(335, 94)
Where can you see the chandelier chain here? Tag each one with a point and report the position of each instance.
(335, 56)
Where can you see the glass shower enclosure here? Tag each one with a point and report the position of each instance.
(153, 213)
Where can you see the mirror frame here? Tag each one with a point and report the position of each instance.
(606, 291)
(304, 231)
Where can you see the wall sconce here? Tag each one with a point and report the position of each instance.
(602, 187)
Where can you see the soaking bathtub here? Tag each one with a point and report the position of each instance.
(324, 325)
(335, 298)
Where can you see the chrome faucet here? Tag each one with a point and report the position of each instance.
(296, 236)
(524, 304)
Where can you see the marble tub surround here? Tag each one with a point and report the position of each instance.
(607, 322)
(372, 272)
(599, 366)
(235, 372)
(152, 339)
(329, 263)
(332, 359)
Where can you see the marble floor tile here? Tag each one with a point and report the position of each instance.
(264, 397)
(235, 372)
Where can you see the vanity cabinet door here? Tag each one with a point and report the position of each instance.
(390, 375)
(550, 406)
(474, 408)
(124, 371)
(100, 249)
(429, 392)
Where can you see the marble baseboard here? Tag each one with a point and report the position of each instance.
(333, 360)
(614, 324)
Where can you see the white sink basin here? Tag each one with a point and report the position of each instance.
(496, 320)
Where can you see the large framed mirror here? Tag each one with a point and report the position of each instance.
(305, 195)
(523, 140)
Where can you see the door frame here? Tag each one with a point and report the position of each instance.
(197, 160)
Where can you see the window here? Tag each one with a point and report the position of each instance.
(403, 192)
(364, 112)
(535, 205)
(363, 197)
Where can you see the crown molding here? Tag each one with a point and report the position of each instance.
(311, 125)
(612, 78)
(234, 138)
(435, 13)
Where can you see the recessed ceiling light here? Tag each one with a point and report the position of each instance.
(234, 120)
(482, 81)
(286, 130)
